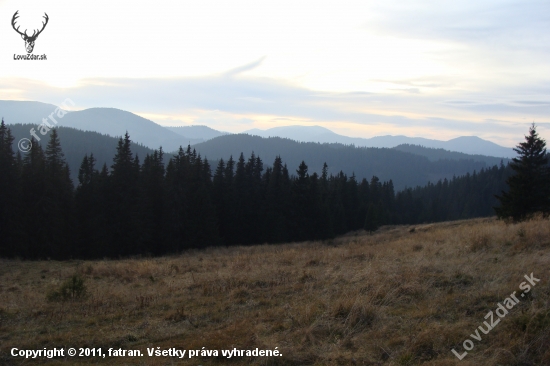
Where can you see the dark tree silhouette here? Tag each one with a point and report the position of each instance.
(529, 187)
(8, 193)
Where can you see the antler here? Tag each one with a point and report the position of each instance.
(15, 16)
(43, 26)
(34, 34)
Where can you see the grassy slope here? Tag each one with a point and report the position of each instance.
(392, 298)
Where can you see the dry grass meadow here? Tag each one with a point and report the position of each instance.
(396, 297)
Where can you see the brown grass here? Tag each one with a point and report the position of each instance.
(397, 297)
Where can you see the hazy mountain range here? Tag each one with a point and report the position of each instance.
(398, 158)
(463, 144)
(406, 169)
(199, 133)
(115, 122)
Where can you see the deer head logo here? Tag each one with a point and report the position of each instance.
(29, 40)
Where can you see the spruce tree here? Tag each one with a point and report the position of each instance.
(32, 237)
(255, 209)
(241, 203)
(529, 187)
(88, 205)
(174, 213)
(59, 198)
(303, 205)
(228, 222)
(276, 224)
(123, 198)
(151, 205)
(8, 193)
(203, 223)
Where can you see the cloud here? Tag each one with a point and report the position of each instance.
(242, 101)
(241, 69)
(531, 103)
(467, 21)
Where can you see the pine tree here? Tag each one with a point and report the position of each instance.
(241, 203)
(203, 223)
(303, 200)
(337, 198)
(228, 222)
(8, 193)
(123, 198)
(151, 205)
(256, 207)
(87, 203)
(529, 187)
(276, 204)
(32, 237)
(174, 216)
(374, 216)
(59, 198)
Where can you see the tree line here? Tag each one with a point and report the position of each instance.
(149, 207)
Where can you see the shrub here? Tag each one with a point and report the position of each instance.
(72, 289)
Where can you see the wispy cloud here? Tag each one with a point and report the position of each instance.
(241, 69)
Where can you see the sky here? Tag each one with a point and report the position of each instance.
(435, 69)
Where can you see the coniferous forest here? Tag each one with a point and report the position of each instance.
(144, 207)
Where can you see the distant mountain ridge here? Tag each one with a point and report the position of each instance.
(115, 122)
(406, 169)
(463, 144)
(434, 154)
(197, 132)
(109, 121)
(15, 111)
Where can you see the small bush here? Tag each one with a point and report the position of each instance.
(72, 289)
(417, 248)
(479, 242)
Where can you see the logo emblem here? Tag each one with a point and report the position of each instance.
(29, 40)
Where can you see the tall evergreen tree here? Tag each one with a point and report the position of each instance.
(123, 209)
(255, 205)
(92, 234)
(375, 214)
(303, 205)
(229, 225)
(203, 223)
(33, 240)
(240, 203)
(277, 196)
(175, 235)
(337, 199)
(529, 187)
(151, 203)
(8, 194)
(58, 196)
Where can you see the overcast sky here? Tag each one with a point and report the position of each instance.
(437, 69)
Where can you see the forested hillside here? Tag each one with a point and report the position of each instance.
(138, 206)
(434, 154)
(406, 169)
(77, 143)
(403, 168)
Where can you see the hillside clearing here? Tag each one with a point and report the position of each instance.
(396, 297)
